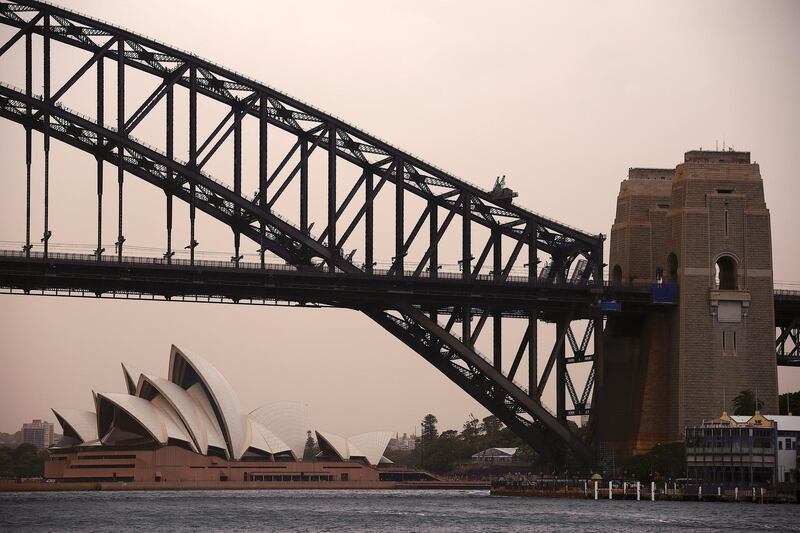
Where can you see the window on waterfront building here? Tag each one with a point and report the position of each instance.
(726, 273)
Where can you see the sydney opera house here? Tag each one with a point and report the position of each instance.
(191, 427)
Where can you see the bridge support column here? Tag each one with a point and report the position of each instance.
(497, 273)
(263, 171)
(100, 118)
(332, 197)
(237, 181)
(533, 353)
(369, 198)
(28, 140)
(561, 368)
(46, 75)
(304, 187)
(192, 157)
(599, 352)
(433, 239)
(121, 150)
(497, 340)
(170, 140)
(399, 221)
(466, 236)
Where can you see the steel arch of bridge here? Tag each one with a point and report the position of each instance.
(575, 258)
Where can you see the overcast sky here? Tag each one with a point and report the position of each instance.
(560, 97)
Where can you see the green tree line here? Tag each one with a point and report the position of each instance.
(21, 461)
(441, 452)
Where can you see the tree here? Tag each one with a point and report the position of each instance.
(311, 450)
(663, 461)
(443, 453)
(471, 431)
(429, 430)
(745, 403)
(491, 428)
(6, 461)
(24, 460)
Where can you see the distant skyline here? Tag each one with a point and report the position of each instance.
(561, 98)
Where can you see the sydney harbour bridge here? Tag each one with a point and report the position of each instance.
(321, 194)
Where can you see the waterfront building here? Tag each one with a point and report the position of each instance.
(743, 450)
(495, 455)
(191, 427)
(788, 436)
(39, 433)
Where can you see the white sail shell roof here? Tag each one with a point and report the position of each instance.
(371, 445)
(189, 412)
(334, 442)
(82, 422)
(131, 375)
(144, 412)
(213, 432)
(175, 428)
(353, 452)
(263, 439)
(233, 422)
(288, 421)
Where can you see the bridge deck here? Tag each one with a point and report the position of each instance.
(215, 281)
(152, 278)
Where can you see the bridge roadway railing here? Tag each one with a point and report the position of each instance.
(787, 293)
(323, 268)
(320, 268)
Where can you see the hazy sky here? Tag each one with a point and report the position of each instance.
(560, 97)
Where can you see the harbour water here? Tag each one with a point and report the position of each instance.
(374, 510)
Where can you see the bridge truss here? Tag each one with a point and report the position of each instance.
(787, 327)
(323, 188)
(440, 316)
